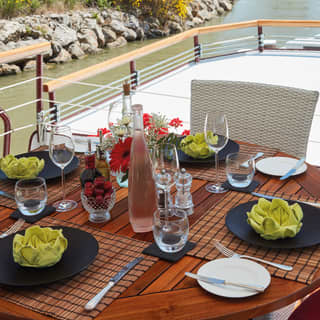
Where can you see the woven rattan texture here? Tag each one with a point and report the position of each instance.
(212, 226)
(72, 183)
(275, 116)
(66, 299)
(208, 172)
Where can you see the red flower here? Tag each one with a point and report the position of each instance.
(162, 131)
(186, 132)
(104, 132)
(147, 120)
(120, 155)
(175, 122)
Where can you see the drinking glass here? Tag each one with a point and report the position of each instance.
(61, 151)
(216, 134)
(31, 195)
(240, 169)
(165, 165)
(170, 229)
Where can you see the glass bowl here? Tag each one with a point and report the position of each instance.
(98, 212)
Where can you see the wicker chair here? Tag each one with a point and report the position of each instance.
(269, 115)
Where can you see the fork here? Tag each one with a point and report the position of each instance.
(229, 253)
(14, 228)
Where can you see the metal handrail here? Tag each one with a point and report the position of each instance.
(89, 101)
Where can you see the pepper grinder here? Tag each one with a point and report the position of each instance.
(183, 196)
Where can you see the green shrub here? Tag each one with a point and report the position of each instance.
(161, 9)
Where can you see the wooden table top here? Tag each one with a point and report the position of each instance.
(163, 291)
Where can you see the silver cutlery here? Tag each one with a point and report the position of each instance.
(213, 280)
(14, 228)
(7, 195)
(231, 254)
(294, 169)
(260, 195)
(258, 155)
(96, 299)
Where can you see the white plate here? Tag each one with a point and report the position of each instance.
(234, 269)
(279, 166)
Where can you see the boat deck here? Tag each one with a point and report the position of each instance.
(170, 95)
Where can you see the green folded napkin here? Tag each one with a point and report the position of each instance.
(39, 247)
(275, 220)
(196, 146)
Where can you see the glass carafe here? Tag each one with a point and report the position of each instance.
(142, 195)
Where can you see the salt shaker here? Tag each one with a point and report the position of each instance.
(183, 196)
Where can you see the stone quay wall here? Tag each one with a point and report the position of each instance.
(76, 34)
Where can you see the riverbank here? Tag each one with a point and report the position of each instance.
(76, 34)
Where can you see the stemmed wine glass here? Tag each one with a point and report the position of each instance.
(216, 134)
(165, 164)
(61, 151)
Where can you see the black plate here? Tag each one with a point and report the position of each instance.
(236, 221)
(50, 170)
(231, 147)
(82, 250)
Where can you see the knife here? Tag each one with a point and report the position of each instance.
(7, 195)
(294, 169)
(225, 282)
(96, 299)
(260, 195)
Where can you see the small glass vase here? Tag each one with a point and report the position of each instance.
(122, 184)
(98, 212)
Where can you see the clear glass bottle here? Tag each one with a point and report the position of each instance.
(120, 115)
(101, 161)
(142, 194)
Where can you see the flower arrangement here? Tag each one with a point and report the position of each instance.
(157, 131)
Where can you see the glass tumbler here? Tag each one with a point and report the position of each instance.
(170, 229)
(240, 168)
(31, 195)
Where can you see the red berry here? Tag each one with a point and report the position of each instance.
(99, 199)
(88, 185)
(98, 192)
(88, 192)
(107, 186)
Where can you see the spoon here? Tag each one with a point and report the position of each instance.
(258, 155)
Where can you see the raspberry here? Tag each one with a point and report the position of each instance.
(88, 185)
(99, 199)
(98, 192)
(107, 186)
(88, 192)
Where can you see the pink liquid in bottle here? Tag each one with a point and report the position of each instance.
(142, 190)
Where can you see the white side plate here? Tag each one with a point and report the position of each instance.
(279, 166)
(234, 269)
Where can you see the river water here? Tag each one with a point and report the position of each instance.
(242, 10)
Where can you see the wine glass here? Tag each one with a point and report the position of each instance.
(61, 151)
(216, 134)
(165, 165)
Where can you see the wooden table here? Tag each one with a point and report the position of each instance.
(163, 291)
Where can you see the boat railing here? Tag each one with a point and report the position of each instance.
(14, 55)
(254, 36)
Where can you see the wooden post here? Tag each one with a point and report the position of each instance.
(39, 72)
(7, 137)
(196, 49)
(260, 39)
(53, 105)
(134, 75)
